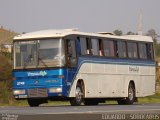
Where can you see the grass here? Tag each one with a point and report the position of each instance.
(56, 103)
(143, 100)
(15, 103)
(150, 99)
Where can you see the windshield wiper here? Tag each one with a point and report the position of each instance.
(28, 60)
(39, 59)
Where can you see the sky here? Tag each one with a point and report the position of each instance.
(86, 15)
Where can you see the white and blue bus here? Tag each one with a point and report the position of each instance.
(82, 67)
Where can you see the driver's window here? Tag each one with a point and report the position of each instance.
(71, 53)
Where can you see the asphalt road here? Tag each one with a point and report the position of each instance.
(99, 112)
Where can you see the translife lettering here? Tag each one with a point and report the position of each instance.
(134, 68)
(41, 73)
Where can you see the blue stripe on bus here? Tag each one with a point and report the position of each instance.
(115, 61)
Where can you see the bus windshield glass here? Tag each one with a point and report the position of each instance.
(38, 53)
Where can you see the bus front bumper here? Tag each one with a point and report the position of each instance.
(37, 92)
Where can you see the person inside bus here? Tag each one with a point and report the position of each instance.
(100, 47)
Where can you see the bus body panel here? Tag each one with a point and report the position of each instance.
(111, 77)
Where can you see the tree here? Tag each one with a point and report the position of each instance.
(118, 32)
(130, 33)
(152, 33)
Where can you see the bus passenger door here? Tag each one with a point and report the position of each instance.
(71, 57)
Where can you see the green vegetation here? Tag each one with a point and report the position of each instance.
(6, 96)
(5, 80)
(150, 99)
(6, 36)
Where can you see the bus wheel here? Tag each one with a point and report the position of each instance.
(77, 100)
(131, 96)
(90, 102)
(33, 102)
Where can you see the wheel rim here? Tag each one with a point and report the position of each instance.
(78, 94)
(130, 93)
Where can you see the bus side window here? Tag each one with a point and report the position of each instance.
(121, 45)
(71, 53)
(83, 45)
(89, 46)
(132, 50)
(149, 51)
(95, 46)
(116, 48)
(142, 50)
(101, 50)
(108, 48)
(78, 46)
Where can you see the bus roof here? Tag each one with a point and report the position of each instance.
(65, 32)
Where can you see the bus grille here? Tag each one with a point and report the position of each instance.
(37, 92)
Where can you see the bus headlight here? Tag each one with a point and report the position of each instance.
(55, 90)
(18, 92)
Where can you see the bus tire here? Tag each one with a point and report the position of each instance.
(90, 102)
(131, 96)
(33, 102)
(79, 95)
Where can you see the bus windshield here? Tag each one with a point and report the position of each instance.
(38, 53)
